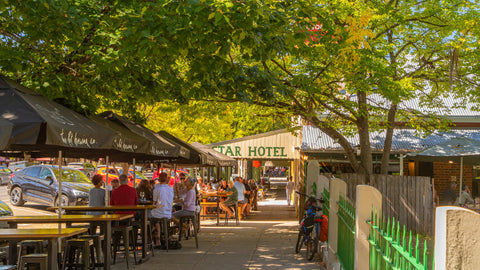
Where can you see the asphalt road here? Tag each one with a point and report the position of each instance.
(27, 209)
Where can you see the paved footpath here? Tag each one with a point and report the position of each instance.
(265, 240)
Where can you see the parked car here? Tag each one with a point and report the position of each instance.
(39, 184)
(5, 175)
(113, 173)
(87, 168)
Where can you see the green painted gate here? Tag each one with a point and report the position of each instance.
(346, 233)
(392, 248)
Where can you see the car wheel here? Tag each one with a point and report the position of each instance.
(65, 201)
(16, 196)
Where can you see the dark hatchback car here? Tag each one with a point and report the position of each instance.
(40, 184)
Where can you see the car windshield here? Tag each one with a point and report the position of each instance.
(137, 174)
(69, 175)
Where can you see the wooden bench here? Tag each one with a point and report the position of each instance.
(204, 205)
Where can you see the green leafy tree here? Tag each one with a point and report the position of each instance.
(344, 67)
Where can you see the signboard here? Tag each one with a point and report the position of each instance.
(279, 144)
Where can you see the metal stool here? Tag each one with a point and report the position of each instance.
(235, 211)
(29, 247)
(164, 227)
(34, 258)
(127, 235)
(187, 220)
(137, 226)
(70, 256)
(97, 243)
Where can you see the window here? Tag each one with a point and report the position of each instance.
(46, 174)
(69, 175)
(32, 171)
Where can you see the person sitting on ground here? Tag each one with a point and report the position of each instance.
(162, 195)
(188, 201)
(124, 195)
(231, 200)
(465, 196)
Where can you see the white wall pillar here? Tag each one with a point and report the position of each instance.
(457, 238)
(337, 187)
(367, 198)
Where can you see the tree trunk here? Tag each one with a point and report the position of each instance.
(366, 162)
(388, 139)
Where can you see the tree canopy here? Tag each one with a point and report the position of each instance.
(343, 66)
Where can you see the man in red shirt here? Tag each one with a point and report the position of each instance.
(124, 195)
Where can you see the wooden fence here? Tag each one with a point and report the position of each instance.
(409, 199)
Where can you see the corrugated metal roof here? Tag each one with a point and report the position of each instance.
(404, 140)
(448, 106)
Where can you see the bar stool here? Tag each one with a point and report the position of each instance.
(187, 220)
(86, 249)
(126, 234)
(97, 243)
(235, 211)
(137, 226)
(29, 247)
(164, 228)
(34, 258)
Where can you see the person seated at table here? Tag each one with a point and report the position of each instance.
(96, 198)
(96, 195)
(465, 196)
(246, 205)
(231, 200)
(162, 195)
(144, 187)
(124, 195)
(200, 185)
(188, 201)
(208, 188)
(223, 187)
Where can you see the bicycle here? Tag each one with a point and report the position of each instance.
(309, 229)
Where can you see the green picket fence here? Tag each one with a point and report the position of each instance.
(346, 233)
(326, 204)
(392, 248)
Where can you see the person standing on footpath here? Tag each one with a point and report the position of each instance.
(449, 196)
(289, 189)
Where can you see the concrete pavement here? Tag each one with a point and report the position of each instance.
(265, 240)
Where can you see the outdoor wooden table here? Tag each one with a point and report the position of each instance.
(113, 208)
(107, 220)
(52, 235)
(218, 196)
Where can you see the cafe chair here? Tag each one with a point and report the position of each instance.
(126, 234)
(78, 248)
(189, 220)
(97, 244)
(35, 258)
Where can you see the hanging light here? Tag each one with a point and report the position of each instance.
(268, 163)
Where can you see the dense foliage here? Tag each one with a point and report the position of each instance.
(344, 66)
